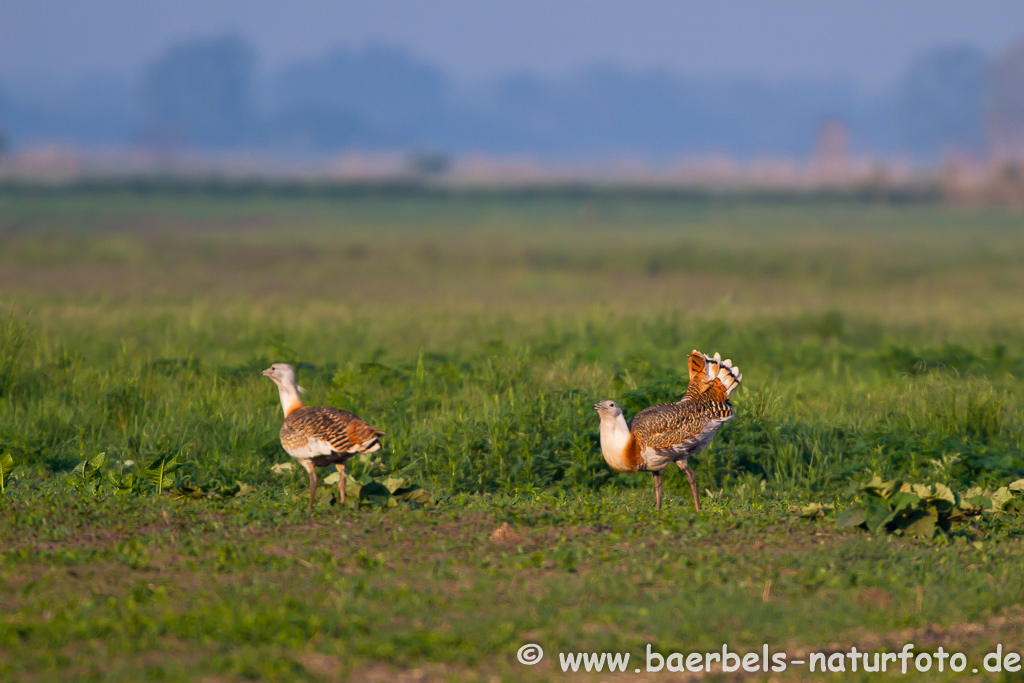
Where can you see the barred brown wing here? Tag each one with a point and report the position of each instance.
(673, 426)
(344, 431)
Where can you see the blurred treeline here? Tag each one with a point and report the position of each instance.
(210, 94)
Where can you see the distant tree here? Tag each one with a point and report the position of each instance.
(200, 92)
(429, 163)
(397, 99)
(1004, 103)
(941, 102)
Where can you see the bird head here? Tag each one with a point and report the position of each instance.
(609, 409)
(282, 374)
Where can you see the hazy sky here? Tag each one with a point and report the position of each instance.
(868, 41)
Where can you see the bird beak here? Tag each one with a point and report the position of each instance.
(269, 372)
(597, 406)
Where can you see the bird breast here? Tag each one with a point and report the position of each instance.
(617, 446)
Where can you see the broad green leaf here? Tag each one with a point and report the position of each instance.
(123, 483)
(922, 525)
(188, 489)
(374, 493)
(87, 472)
(887, 523)
(904, 500)
(414, 494)
(889, 488)
(920, 490)
(6, 467)
(980, 502)
(957, 514)
(1014, 506)
(6, 463)
(1001, 496)
(976, 491)
(129, 482)
(877, 513)
(851, 517)
(814, 510)
(283, 468)
(876, 486)
(158, 472)
(945, 493)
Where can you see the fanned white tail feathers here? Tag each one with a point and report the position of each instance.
(722, 370)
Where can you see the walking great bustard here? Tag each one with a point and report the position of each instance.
(667, 433)
(319, 436)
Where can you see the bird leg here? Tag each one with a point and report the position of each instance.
(657, 490)
(340, 466)
(312, 484)
(685, 467)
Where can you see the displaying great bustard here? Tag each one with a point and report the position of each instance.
(667, 433)
(318, 436)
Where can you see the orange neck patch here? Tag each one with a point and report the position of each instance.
(290, 406)
(633, 454)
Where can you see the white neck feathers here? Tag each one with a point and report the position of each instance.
(616, 442)
(290, 401)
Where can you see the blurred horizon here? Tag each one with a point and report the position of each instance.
(377, 87)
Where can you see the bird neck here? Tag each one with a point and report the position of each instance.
(290, 401)
(617, 444)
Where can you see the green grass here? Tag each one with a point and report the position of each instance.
(477, 332)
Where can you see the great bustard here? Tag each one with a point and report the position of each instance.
(318, 436)
(669, 432)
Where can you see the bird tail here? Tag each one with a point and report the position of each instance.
(364, 438)
(711, 374)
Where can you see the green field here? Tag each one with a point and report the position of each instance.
(477, 330)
